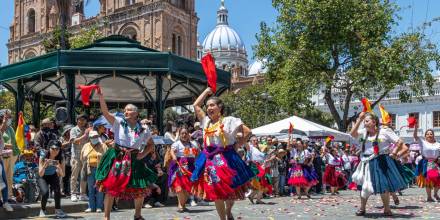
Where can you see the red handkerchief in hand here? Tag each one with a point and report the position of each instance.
(411, 122)
(208, 65)
(86, 91)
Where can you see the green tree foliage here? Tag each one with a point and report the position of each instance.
(343, 49)
(7, 101)
(251, 107)
(53, 42)
(85, 37)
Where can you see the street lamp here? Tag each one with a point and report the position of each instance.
(266, 97)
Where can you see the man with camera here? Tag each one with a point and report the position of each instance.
(79, 135)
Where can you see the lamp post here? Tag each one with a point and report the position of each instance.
(266, 97)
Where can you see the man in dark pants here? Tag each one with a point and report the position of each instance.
(318, 164)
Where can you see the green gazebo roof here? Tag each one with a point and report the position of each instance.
(125, 70)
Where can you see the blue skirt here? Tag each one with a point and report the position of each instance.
(422, 168)
(385, 175)
(244, 172)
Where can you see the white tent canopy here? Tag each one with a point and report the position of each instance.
(311, 129)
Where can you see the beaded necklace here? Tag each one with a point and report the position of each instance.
(210, 132)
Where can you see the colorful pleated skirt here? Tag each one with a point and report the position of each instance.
(121, 175)
(179, 176)
(220, 174)
(334, 177)
(301, 175)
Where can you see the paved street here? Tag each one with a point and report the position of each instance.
(319, 207)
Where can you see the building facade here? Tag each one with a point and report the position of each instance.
(427, 112)
(165, 25)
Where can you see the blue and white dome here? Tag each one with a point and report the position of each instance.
(226, 46)
(258, 67)
(223, 37)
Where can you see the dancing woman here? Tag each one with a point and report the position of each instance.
(427, 170)
(183, 153)
(333, 175)
(220, 174)
(121, 173)
(377, 173)
(302, 174)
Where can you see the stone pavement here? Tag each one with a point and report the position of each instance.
(343, 206)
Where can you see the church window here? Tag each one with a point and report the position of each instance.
(31, 21)
(173, 43)
(130, 32)
(178, 3)
(179, 45)
(29, 55)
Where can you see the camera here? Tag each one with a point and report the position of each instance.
(52, 162)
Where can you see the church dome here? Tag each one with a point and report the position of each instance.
(223, 37)
(257, 67)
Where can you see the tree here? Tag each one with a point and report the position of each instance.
(85, 37)
(53, 42)
(344, 49)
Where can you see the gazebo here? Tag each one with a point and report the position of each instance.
(126, 72)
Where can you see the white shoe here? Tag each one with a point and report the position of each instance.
(193, 203)
(42, 213)
(148, 206)
(73, 198)
(158, 204)
(248, 193)
(88, 210)
(8, 207)
(83, 198)
(59, 213)
(98, 210)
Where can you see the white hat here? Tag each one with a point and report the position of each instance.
(197, 124)
(93, 133)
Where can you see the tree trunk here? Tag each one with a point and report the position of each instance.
(331, 105)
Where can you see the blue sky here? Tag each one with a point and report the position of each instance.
(246, 15)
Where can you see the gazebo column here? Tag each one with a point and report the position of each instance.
(159, 103)
(70, 84)
(19, 99)
(36, 110)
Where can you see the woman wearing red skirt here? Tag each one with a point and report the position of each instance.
(333, 175)
(183, 153)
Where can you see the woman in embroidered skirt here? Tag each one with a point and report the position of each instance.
(302, 175)
(260, 184)
(220, 174)
(183, 153)
(377, 172)
(121, 173)
(333, 175)
(427, 170)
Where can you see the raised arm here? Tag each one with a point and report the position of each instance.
(104, 109)
(415, 133)
(200, 114)
(354, 131)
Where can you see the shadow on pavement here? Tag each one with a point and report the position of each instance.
(199, 210)
(395, 215)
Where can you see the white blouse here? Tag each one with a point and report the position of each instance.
(385, 138)
(331, 160)
(128, 137)
(230, 129)
(429, 150)
(300, 157)
(184, 150)
(256, 154)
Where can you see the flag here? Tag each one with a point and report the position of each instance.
(208, 65)
(329, 138)
(86, 91)
(411, 122)
(366, 104)
(19, 133)
(290, 128)
(386, 118)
